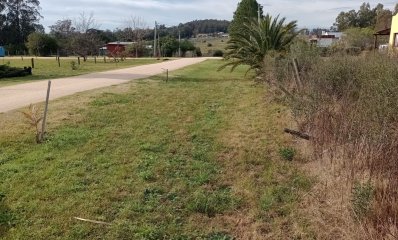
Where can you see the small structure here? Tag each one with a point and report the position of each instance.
(116, 48)
(378, 34)
(326, 39)
(2, 51)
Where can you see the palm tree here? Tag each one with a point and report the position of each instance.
(260, 38)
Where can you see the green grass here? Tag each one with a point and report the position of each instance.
(47, 68)
(187, 159)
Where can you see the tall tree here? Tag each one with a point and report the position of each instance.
(365, 17)
(246, 11)
(85, 39)
(21, 18)
(41, 44)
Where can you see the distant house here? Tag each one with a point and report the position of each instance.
(115, 48)
(326, 39)
(203, 35)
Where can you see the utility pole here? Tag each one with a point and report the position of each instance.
(179, 43)
(159, 48)
(258, 12)
(154, 41)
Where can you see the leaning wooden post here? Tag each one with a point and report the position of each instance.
(33, 62)
(167, 75)
(78, 60)
(95, 60)
(43, 128)
(297, 74)
(59, 62)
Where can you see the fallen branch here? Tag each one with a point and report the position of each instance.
(298, 134)
(91, 221)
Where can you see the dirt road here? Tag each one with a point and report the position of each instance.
(17, 96)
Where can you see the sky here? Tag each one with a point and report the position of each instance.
(112, 14)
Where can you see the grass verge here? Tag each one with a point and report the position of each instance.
(194, 158)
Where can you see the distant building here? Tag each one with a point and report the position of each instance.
(203, 35)
(326, 39)
(115, 48)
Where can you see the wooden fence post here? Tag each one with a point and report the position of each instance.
(43, 128)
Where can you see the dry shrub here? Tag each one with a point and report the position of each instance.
(33, 119)
(349, 105)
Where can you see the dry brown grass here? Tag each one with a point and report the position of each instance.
(348, 106)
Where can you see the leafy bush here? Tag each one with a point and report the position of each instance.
(287, 153)
(218, 53)
(73, 65)
(8, 72)
(198, 52)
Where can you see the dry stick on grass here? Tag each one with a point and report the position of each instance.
(298, 134)
(92, 221)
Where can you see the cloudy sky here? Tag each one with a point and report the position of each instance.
(111, 14)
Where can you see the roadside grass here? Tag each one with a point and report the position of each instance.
(47, 68)
(194, 158)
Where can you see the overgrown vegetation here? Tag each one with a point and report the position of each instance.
(348, 106)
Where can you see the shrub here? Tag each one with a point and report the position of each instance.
(73, 65)
(8, 72)
(198, 52)
(209, 45)
(287, 153)
(218, 53)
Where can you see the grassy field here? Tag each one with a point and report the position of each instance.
(209, 45)
(195, 158)
(47, 68)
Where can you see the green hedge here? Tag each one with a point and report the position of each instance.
(7, 71)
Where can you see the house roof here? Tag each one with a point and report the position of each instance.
(120, 43)
(386, 31)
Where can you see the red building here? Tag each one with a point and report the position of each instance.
(116, 48)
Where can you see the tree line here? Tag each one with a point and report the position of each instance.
(377, 18)
(21, 32)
